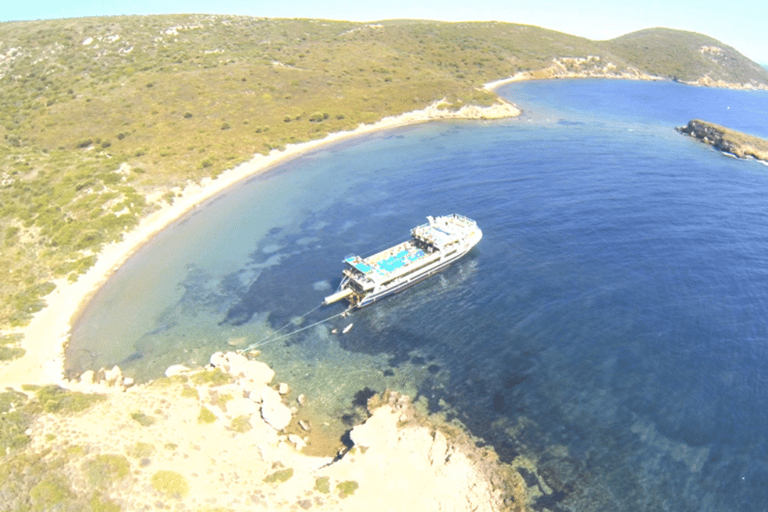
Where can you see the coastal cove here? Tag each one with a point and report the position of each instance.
(608, 327)
(45, 338)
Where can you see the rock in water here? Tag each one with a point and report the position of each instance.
(240, 366)
(297, 441)
(113, 376)
(176, 369)
(87, 377)
(273, 410)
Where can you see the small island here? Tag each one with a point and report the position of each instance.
(726, 140)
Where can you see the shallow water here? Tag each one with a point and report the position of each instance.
(611, 325)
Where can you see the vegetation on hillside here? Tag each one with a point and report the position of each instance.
(686, 56)
(102, 117)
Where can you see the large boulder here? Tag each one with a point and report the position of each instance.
(176, 369)
(113, 376)
(273, 410)
(241, 367)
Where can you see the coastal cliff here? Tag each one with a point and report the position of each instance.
(726, 140)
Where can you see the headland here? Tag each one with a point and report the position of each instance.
(731, 142)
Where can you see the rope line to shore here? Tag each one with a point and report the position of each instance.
(300, 318)
(270, 340)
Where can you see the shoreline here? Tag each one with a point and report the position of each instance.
(47, 334)
(555, 72)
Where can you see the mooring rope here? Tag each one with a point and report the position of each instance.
(300, 318)
(270, 340)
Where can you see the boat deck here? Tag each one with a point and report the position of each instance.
(388, 264)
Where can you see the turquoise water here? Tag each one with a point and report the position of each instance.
(612, 325)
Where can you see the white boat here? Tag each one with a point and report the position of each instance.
(432, 247)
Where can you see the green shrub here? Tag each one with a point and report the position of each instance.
(57, 400)
(323, 484)
(215, 377)
(279, 476)
(142, 419)
(206, 416)
(12, 232)
(241, 424)
(10, 353)
(13, 427)
(106, 468)
(11, 399)
(170, 483)
(141, 450)
(99, 503)
(50, 492)
(164, 382)
(347, 488)
(190, 392)
(221, 401)
(79, 266)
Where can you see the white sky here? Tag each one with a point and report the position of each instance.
(737, 23)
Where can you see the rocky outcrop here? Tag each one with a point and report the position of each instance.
(706, 81)
(229, 442)
(591, 66)
(726, 140)
(417, 453)
(443, 110)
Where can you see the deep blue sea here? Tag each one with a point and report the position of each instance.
(611, 327)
